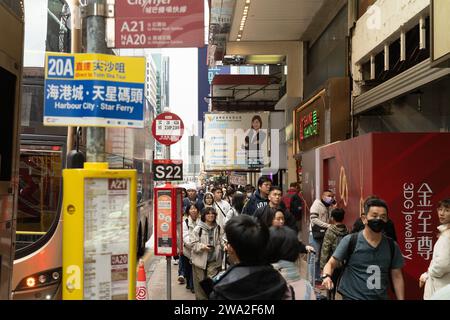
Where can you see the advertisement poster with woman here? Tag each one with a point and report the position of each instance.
(237, 141)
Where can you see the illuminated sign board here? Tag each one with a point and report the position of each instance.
(309, 125)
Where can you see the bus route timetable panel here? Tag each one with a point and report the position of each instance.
(106, 234)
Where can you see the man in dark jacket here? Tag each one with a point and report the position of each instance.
(259, 198)
(274, 204)
(192, 197)
(293, 201)
(251, 277)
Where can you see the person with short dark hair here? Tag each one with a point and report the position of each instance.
(260, 197)
(221, 206)
(319, 216)
(283, 251)
(248, 190)
(192, 197)
(438, 273)
(265, 213)
(333, 236)
(294, 202)
(207, 245)
(389, 230)
(250, 277)
(228, 197)
(369, 258)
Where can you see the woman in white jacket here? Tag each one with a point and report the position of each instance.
(438, 274)
(192, 214)
(207, 246)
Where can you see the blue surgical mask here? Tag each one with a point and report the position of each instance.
(328, 200)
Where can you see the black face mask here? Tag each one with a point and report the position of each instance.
(376, 225)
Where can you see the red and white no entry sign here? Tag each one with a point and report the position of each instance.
(167, 128)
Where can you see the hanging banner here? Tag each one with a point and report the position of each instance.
(158, 24)
(94, 90)
(237, 179)
(237, 141)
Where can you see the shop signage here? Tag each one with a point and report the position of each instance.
(309, 125)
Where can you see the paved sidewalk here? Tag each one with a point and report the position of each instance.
(156, 281)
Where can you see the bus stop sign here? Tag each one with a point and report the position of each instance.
(167, 128)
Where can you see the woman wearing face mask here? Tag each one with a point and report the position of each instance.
(438, 274)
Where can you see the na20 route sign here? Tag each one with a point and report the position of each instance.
(94, 90)
(157, 24)
(167, 170)
(167, 128)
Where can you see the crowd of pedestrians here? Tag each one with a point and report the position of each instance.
(241, 242)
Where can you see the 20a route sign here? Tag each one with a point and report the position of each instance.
(167, 170)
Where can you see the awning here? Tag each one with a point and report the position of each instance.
(411, 79)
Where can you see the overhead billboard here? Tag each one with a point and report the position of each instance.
(237, 141)
(158, 24)
(94, 90)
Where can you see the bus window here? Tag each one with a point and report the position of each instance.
(7, 107)
(39, 193)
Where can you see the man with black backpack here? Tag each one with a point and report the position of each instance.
(370, 260)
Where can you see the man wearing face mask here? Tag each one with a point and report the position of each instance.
(319, 216)
(370, 260)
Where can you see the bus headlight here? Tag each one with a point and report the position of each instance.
(31, 282)
(42, 278)
(55, 275)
